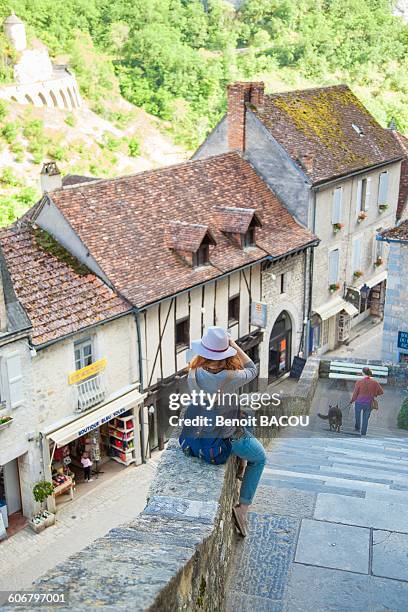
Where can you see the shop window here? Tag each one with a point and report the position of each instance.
(84, 354)
(233, 310)
(182, 334)
(202, 256)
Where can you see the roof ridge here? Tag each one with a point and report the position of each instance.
(187, 162)
(309, 89)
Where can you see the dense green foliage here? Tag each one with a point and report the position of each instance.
(174, 57)
(402, 420)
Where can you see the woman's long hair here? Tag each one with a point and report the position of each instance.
(231, 363)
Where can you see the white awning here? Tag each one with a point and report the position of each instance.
(330, 309)
(375, 280)
(96, 418)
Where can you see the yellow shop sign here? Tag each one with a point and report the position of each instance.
(94, 368)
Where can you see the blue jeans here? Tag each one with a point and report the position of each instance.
(366, 410)
(249, 448)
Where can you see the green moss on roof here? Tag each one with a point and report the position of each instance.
(51, 246)
(315, 116)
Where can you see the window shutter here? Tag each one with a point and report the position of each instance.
(356, 261)
(367, 194)
(333, 266)
(359, 193)
(15, 380)
(383, 188)
(336, 209)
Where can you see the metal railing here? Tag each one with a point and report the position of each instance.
(90, 392)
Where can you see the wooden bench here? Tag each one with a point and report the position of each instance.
(354, 371)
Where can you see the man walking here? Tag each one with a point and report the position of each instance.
(365, 392)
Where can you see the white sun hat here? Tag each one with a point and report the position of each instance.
(214, 344)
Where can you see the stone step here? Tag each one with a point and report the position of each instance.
(314, 486)
(362, 512)
(324, 472)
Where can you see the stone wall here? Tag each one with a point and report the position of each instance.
(175, 554)
(397, 372)
(396, 299)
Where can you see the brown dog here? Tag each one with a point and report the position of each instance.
(335, 418)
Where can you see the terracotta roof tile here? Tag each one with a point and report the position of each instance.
(315, 126)
(123, 223)
(58, 296)
(398, 233)
(235, 220)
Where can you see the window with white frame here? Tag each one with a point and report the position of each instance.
(334, 260)
(84, 353)
(363, 194)
(356, 255)
(383, 188)
(336, 205)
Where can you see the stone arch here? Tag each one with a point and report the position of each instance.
(280, 346)
(71, 97)
(296, 324)
(63, 98)
(53, 98)
(42, 99)
(29, 99)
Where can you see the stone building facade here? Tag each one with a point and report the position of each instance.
(395, 335)
(337, 171)
(37, 81)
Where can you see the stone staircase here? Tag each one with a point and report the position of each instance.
(329, 527)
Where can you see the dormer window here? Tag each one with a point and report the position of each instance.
(190, 241)
(239, 224)
(202, 256)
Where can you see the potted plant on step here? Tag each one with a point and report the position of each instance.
(42, 519)
(5, 421)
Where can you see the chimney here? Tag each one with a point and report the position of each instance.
(239, 94)
(50, 177)
(306, 159)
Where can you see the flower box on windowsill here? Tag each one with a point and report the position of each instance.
(337, 227)
(5, 421)
(357, 274)
(382, 207)
(378, 262)
(361, 216)
(334, 287)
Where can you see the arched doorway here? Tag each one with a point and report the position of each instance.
(280, 344)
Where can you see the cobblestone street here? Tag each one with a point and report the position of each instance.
(26, 555)
(329, 529)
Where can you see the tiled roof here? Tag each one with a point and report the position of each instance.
(398, 233)
(403, 187)
(315, 126)
(235, 220)
(123, 222)
(59, 295)
(74, 179)
(183, 236)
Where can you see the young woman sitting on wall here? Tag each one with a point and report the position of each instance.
(221, 367)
